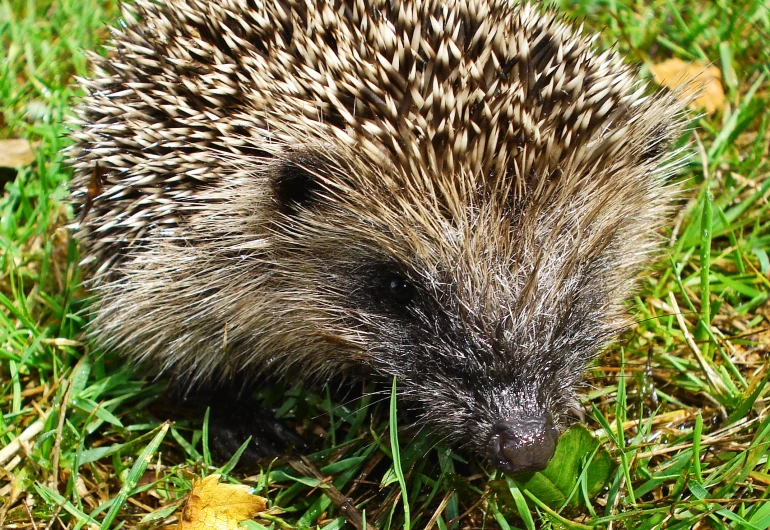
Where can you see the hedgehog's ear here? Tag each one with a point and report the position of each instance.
(296, 184)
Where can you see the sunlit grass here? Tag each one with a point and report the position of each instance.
(679, 404)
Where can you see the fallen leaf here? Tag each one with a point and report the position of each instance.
(16, 153)
(215, 506)
(698, 85)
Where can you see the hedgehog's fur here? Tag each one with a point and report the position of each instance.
(457, 193)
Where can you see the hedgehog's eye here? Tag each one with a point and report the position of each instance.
(390, 290)
(400, 290)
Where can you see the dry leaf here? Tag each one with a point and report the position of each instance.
(16, 153)
(215, 506)
(691, 79)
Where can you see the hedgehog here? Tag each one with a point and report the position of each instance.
(458, 194)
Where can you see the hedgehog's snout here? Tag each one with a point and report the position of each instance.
(523, 444)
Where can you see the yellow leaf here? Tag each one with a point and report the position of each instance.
(698, 85)
(215, 506)
(15, 153)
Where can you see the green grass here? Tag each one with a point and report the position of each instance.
(678, 407)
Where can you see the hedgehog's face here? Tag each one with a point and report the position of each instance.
(483, 374)
(489, 337)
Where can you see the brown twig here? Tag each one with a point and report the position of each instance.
(57, 443)
(441, 507)
(365, 473)
(343, 503)
(26, 393)
(29, 512)
(712, 377)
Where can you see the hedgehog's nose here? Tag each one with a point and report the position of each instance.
(523, 444)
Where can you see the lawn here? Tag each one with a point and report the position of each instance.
(677, 412)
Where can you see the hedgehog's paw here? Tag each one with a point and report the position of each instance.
(232, 422)
(233, 417)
